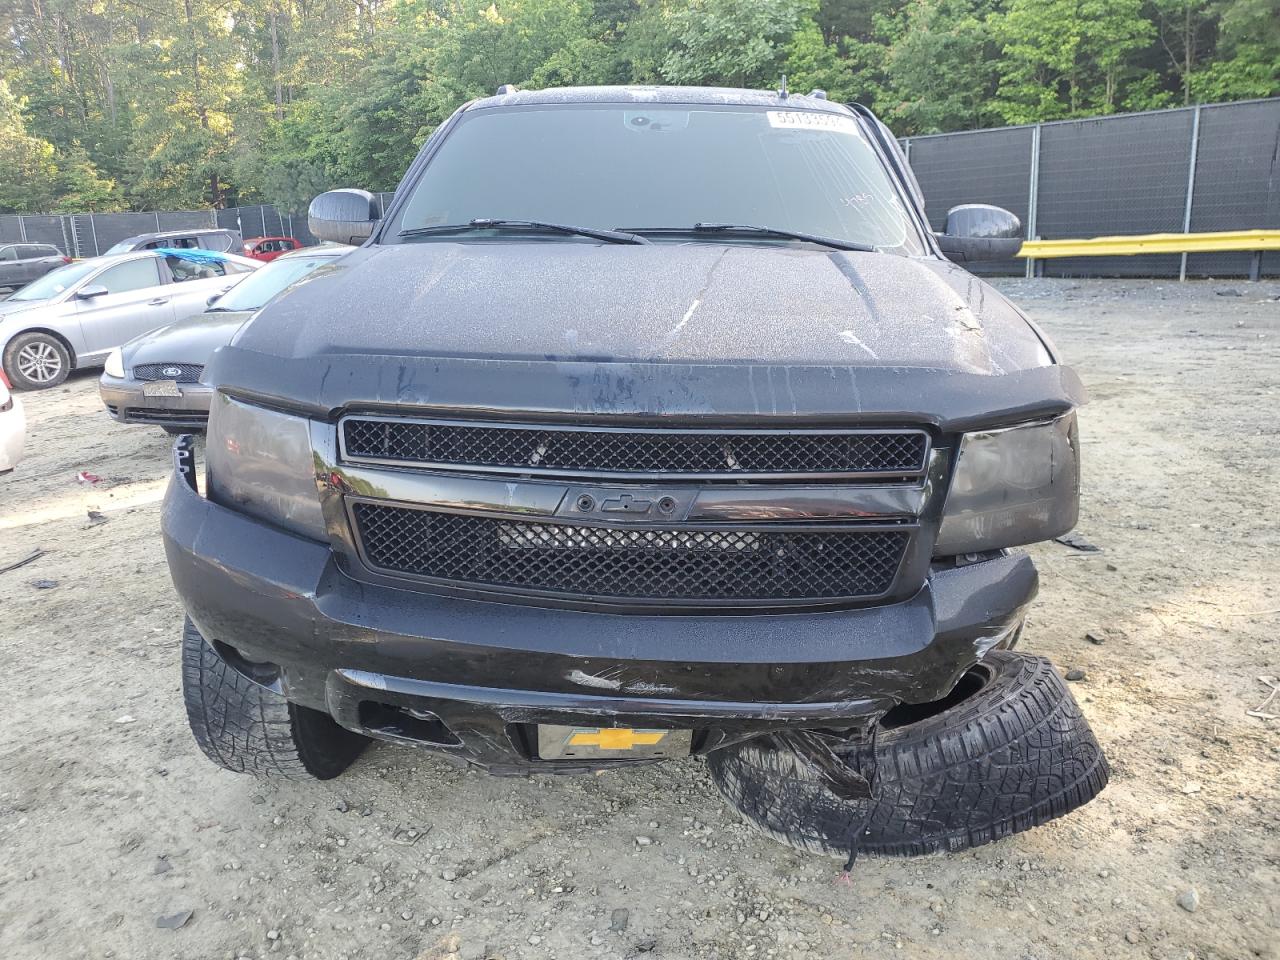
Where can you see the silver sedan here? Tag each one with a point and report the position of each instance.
(74, 316)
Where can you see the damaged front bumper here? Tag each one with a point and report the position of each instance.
(472, 679)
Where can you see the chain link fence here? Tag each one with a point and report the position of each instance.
(1194, 169)
(92, 234)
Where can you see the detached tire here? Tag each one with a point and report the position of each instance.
(246, 728)
(1006, 751)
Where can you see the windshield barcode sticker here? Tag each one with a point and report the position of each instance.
(812, 120)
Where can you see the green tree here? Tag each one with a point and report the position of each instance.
(27, 171)
(1067, 58)
(941, 68)
(1247, 60)
(812, 63)
(732, 43)
(81, 187)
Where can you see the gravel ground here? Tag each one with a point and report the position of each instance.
(112, 823)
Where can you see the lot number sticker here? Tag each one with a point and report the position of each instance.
(812, 120)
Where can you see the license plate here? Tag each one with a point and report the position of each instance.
(161, 388)
(556, 742)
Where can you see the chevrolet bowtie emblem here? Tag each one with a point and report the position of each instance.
(616, 738)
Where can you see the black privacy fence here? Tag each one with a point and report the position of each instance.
(1198, 169)
(1192, 170)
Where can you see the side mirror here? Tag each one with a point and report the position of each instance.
(343, 216)
(91, 291)
(980, 231)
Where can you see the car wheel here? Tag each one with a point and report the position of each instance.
(36, 361)
(1007, 750)
(245, 727)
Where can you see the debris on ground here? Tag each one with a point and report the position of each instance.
(1077, 542)
(96, 518)
(84, 476)
(35, 554)
(1189, 900)
(1260, 711)
(43, 584)
(173, 921)
(1075, 674)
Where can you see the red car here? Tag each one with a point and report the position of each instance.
(267, 249)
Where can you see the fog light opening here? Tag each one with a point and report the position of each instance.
(406, 723)
(905, 714)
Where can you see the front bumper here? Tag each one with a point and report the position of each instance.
(483, 672)
(126, 403)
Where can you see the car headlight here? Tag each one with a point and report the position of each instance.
(114, 367)
(260, 462)
(1012, 486)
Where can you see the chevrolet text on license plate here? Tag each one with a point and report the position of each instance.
(556, 742)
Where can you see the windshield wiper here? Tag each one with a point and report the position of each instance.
(751, 230)
(486, 223)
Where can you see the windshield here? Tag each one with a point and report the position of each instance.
(56, 281)
(261, 285)
(632, 167)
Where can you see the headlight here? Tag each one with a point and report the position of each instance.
(1011, 487)
(260, 462)
(114, 367)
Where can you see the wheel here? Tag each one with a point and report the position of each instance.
(244, 727)
(36, 361)
(1007, 750)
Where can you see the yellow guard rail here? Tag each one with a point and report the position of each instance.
(1231, 240)
(1128, 246)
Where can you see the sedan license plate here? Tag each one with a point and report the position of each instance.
(161, 388)
(556, 742)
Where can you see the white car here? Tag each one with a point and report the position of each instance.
(13, 427)
(76, 315)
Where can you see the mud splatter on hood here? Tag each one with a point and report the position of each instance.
(662, 303)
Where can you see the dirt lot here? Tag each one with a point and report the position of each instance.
(111, 819)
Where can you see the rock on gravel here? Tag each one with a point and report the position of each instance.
(173, 921)
(1189, 900)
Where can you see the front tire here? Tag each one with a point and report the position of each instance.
(36, 361)
(1007, 751)
(246, 728)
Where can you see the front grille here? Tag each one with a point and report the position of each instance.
(186, 372)
(631, 563)
(622, 452)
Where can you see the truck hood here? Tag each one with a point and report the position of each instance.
(192, 340)
(662, 303)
